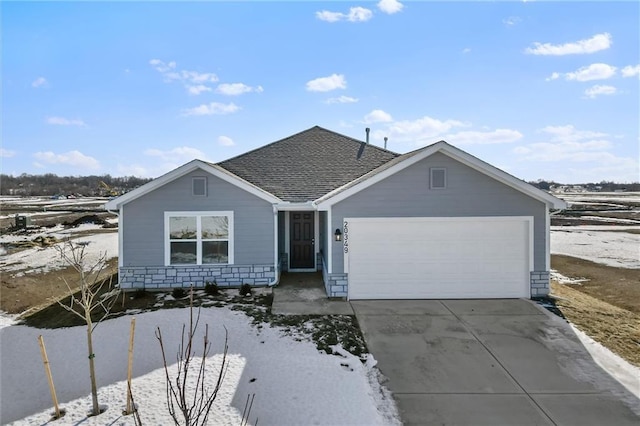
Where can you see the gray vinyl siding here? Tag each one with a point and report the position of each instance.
(143, 220)
(467, 193)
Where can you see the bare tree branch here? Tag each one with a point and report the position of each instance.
(191, 405)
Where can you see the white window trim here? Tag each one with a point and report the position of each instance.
(193, 181)
(434, 169)
(198, 214)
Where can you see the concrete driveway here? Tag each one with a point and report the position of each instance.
(489, 362)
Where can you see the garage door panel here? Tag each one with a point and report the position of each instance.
(438, 258)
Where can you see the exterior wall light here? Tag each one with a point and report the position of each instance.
(338, 235)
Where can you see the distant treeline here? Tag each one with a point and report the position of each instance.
(107, 185)
(50, 184)
(603, 186)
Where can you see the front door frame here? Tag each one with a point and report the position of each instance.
(316, 237)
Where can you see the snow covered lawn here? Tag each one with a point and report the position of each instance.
(293, 383)
(45, 259)
(600, 244)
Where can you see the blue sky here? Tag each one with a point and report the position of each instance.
(542, 90)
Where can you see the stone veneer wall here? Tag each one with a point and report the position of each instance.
(160, 277)
(334, 284)
(539, 283)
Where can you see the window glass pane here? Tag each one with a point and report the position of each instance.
(182, 228)
(215, 227)
(200, 186)
(215, 252)
(183, 253)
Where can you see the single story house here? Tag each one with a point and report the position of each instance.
(436, 222)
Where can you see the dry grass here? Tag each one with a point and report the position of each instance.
(616, 328)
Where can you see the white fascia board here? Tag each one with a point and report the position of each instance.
(289, 206)
(503, 177)
(325, 202)
(214, 170)
(345, 191)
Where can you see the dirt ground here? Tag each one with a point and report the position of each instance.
(607, 307)
(33, 291)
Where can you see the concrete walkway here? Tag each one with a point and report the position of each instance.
(489, 362)
(303, 293)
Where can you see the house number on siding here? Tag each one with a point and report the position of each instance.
(345, 232)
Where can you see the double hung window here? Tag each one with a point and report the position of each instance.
(198, 238)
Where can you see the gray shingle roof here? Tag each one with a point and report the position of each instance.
(307, 165)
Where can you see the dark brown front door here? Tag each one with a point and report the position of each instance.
(302, 232)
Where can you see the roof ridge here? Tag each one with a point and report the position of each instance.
(306, 131)
(357, 140)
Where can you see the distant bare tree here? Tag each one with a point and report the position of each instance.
(90, 302)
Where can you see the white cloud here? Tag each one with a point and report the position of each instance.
(511, 21)
(193, 81)
(6, 153)
(71, 158)
(213, 108)
(592, 72)
(234, 89)
(390, 6)
(40, 82)
(481, 138)
(359, 14)
(417, 132)
(569, 133)
(631, 70)
(161, 66)
(598, 90)
(328, 16)
(594, 44)
(356, 14)
(592, 150)
(178, 154)
(198, 77)
(553, 76)
(225, 141)
(326, 84)
(342, 100)
(61, 121)
(196, 90)
(378, 116)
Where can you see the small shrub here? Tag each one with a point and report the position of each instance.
(179, 293)
(211, 288)
(245, 290)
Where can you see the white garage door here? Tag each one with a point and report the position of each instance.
(438, 258)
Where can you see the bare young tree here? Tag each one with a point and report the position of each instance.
(89, 301)
(190, 396)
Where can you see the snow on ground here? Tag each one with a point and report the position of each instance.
(31, 214)
(621, 370)
(45, 259)
(48, 201)
(561, 279)
(293, 383)
(598, 244)
(612, 197)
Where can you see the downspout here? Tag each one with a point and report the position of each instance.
(276, 257)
